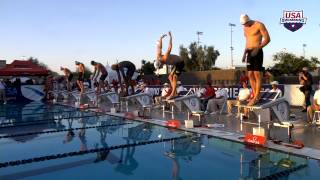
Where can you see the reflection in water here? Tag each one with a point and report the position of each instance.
(82, 135)
(70, 134)
(105, 155)
(128, 163)
(15, 116)
(183, 149)
(257, 162)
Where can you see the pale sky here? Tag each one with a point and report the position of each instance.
(58, 32)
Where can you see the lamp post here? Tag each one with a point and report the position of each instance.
(304, 50)
(231, 47)
(199, 33)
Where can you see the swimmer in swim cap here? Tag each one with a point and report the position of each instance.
(257, 37)
(169, 59)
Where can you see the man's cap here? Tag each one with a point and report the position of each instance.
(274, 83)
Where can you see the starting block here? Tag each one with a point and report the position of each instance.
(144, 100)
(113, 97)
(270, 103)
(316, 118)
(188, 99)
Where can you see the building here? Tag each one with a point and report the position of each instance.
(3, 63)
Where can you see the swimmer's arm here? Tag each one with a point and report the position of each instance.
(119, 78)
(166, 55)
(98, 69)
(160, 46)
(94, 73)
(244, 56)
(81, 68)
(265, 35)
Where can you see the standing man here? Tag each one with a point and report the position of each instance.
(80, 69)
(68, 76)
(99, 70)
(305, 79)
(169, 59)
(127, 70)
(257, 37)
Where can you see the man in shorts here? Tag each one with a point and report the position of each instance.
(169, 59)
(99, 70)
(80, 69)
(68, 76)
(127, 70)
(257, 37)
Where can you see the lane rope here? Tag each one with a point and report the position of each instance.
(60, 130)
(78, 153)
(44, 121)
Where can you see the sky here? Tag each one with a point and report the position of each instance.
(58, 32)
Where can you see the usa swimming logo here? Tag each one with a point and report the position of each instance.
(293, 20)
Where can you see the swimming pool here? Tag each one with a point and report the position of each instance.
(39, 141)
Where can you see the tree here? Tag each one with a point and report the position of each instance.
(147, 67)
(39, 63)
(290, 64)
(198, 58)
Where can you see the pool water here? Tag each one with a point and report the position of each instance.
(128, 149)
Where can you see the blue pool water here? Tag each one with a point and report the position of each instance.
(190, 157)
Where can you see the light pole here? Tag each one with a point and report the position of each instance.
(199, 33)
(231, 47)
(304, 50)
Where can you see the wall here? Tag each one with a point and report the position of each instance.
(229, 77)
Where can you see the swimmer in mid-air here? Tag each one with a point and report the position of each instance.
(169, 59)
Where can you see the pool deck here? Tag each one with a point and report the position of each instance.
(231, 130)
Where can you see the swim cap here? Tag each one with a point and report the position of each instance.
(244, 18)
(157, 64)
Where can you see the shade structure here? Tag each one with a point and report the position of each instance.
(23, 68)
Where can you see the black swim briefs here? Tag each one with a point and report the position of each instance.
(178, 68)
(103, 77)
(255, 63)
(70, 77)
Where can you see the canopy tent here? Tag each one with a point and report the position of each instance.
(23, 68)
